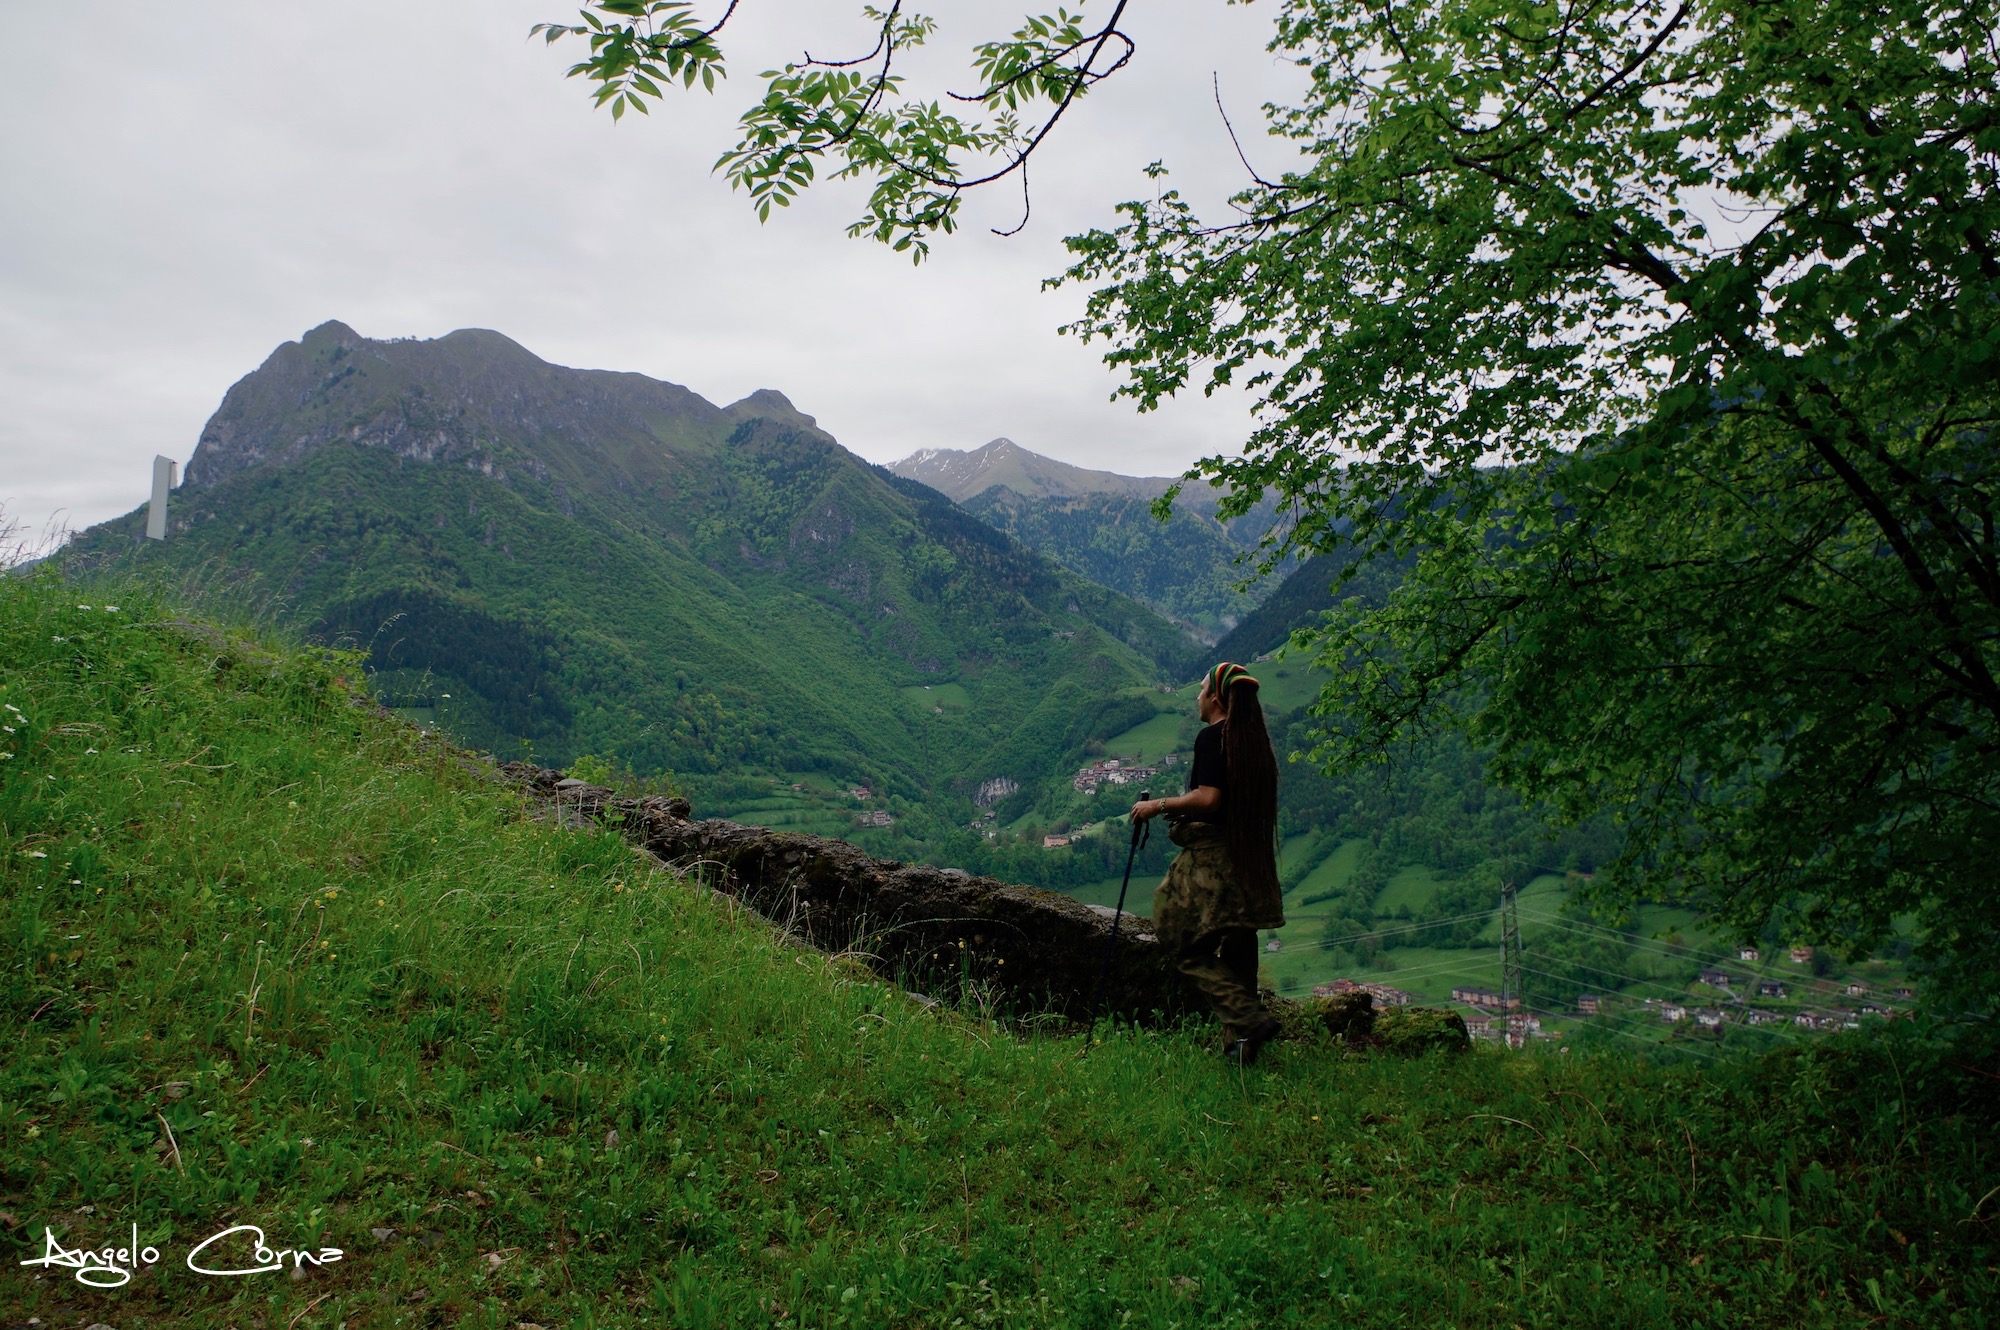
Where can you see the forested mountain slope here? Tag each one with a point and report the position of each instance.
(1303, 598)
(603, 562)
(1189, 568)
(1099, 525)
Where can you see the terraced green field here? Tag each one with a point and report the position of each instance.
(1298, 854)
(813, 812)
(1139, 900)
(950, 696)
(1284, 685)
(1151, 740)
(1328, 873)
(1411, 888)
(1287, 685)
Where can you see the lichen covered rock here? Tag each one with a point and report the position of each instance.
(1413, 1030)
(1349, 1017)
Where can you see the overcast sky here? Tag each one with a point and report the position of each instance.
(189, 185)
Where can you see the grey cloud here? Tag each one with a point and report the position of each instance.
(228, 174)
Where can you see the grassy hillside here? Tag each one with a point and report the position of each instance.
(273, 958)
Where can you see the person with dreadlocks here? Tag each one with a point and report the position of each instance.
(1223, 886)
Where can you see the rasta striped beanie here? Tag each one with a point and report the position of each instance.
(1226, 676)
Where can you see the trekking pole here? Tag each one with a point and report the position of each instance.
(1140, 832)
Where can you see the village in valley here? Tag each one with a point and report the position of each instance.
(1114, 771)
(1779, 995)
(1104, 773)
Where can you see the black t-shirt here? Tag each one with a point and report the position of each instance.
(1209, 768)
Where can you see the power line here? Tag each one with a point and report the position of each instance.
(1644, 944)
(1423, 971)
(1679, 993)
(1701, 1053)
(1511, 987)
(1600, 932)
(1780, 1030)
(1396, 978)
(1406, 928)
(1566, 979)
(1582, 928)
(1651, 945)
(1623, 978)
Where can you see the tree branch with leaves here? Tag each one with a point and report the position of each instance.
(1661, 336)
(853, 114)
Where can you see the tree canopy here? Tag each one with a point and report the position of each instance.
(1663, 337)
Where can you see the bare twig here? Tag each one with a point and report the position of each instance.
(250, 998)
(965, 1185)
(308, 1307)
(467, 1153)
(1516, 1121)
(174, 1144)
(1215, 79)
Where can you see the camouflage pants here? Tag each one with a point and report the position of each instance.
(1200, 914)
(1223, 965)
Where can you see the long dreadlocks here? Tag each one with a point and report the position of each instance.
(1251, 824)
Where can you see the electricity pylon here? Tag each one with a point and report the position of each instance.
(1512, 996)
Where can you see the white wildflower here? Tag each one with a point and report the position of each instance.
(6, 757)
(83, 607)
(11, 707)
(37, 854)
(8, 728)
(111, 609)
(88, 751)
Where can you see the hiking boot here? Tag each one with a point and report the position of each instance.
(1244, 1051)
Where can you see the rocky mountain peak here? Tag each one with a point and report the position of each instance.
(960, 475)
(473, 395)
(332, 333)
(772, 405)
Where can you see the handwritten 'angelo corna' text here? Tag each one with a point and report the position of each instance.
(112, 1267)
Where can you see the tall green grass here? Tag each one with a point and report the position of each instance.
(270, 956)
